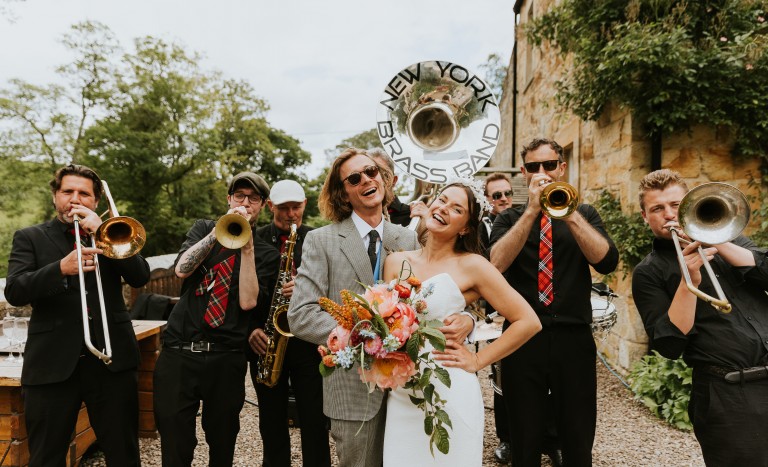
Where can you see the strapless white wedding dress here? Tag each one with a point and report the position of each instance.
(405, 443)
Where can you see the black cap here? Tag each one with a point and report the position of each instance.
(250, 180)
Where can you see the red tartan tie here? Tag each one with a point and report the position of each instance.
(545, 261)
(220, 275)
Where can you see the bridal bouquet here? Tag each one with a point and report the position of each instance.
(384, 332)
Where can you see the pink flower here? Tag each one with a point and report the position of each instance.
(374, 347)
(392, 371)
(723, 39)
(322, 350)
(402, 322)
(338, 339)
(376, 293)
(387, 306)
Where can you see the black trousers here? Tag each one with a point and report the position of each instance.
(730, 420)
(112, 400)
(501, 421)
(182, 380)
(301, 367)
(561, 360)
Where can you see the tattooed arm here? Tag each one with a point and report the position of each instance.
(194, 250)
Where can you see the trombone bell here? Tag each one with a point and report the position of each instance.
(233, 231)
(559, 199)
(711, 213)
(120, 237)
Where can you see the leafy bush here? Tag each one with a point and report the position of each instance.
(664, 386)
(628, 231)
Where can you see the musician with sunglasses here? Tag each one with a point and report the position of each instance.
(203, 358)
(728, 352)
(548, 262)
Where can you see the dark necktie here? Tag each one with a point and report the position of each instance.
(546, 273)
(373, 238)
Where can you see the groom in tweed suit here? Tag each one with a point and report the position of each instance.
(336, 257)
(340, 256)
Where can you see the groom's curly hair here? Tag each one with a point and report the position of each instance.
(333, 202)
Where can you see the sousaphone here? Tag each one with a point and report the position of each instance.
(438, 120)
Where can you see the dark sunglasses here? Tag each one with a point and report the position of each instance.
(498, 194)
(355, 178)
(534, 166)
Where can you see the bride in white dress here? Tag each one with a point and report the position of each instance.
(450, 262)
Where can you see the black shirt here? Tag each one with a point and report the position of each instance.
(186, 322)
(738, 339)
(399, 212)
(572, 280)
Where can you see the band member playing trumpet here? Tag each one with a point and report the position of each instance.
(728, 352)
(300, 360)
(548, 261)
(203, 357)
(59, 373)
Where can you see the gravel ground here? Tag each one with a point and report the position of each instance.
(627, 434)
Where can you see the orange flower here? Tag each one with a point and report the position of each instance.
(414, 281)
(392, 371)
(338, 339)
(341, 314)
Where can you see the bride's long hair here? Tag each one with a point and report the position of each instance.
(469, 242)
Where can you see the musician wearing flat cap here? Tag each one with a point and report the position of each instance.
(60, 372)
(728, 351)
(203, 357)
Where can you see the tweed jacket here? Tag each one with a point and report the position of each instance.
(335, 258)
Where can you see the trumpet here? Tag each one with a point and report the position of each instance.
(711, 213)
(559, 200)
(119, 237)
(233, 231)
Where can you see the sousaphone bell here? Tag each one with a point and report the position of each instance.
(438, 120)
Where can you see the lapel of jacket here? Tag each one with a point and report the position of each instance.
(391, 241)
(352, 248)
(53, 232)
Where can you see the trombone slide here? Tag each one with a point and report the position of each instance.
(721, 303)
(106, 355)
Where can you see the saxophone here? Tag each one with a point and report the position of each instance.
(269, 365)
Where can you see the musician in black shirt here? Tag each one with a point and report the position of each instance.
(728, 352)
(301, 360)
(559, 360)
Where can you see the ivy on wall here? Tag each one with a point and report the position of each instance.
(673, 63)
(629, 232)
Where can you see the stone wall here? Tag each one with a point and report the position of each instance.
(611, 153)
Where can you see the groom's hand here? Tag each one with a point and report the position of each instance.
(456, 327)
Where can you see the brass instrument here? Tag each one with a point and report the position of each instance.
(270, 365)
(711, 213)
(233, 231)
(438, 120)
(119, 237)
(559, 199)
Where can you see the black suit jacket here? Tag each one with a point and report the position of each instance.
(55, 339)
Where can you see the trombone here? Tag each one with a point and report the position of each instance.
(559, 200)
(119, 237)
(711, 213)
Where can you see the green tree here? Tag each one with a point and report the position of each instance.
(495, 74)
(163, 132)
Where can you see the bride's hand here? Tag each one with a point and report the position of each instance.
(457, 356)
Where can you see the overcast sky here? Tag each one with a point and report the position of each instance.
(321, 65)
